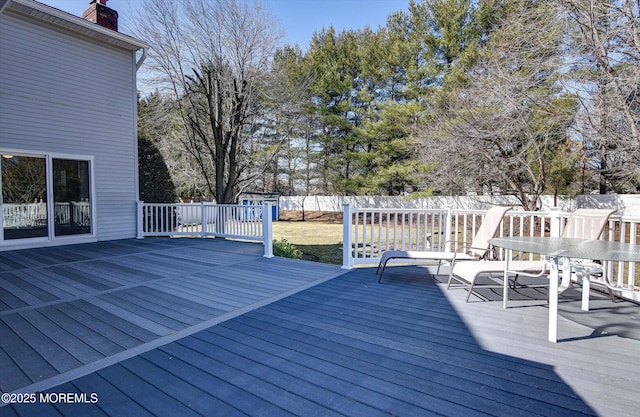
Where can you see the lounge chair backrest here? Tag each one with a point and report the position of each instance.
(486, 231)
(587, 223)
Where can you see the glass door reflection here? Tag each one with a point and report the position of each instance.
(24, 197)
(71, 196)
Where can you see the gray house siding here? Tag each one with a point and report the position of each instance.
(63, 94)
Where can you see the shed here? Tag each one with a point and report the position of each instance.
(258, 198)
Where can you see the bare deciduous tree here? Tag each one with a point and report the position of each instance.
(214, 57)
(500, 130)
(606, 52)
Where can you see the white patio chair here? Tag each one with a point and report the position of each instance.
(582, 224)
(478, 249)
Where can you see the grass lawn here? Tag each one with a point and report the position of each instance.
(319, 236)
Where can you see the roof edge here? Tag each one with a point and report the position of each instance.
(71, 22)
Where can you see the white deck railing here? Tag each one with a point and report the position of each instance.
(244, 222)
(368, 232)
(35, 214)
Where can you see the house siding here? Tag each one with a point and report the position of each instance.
(62, 94)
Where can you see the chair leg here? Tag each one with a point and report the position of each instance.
(382, 272)
(469, 293)
(450, 279)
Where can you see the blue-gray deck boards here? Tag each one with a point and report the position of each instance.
(348, 347)
(104, 299)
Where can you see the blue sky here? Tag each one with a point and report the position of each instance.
(299, 18)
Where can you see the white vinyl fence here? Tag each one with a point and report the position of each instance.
(243, 222)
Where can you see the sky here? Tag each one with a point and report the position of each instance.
(299, 18)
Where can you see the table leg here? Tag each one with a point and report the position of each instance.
(505, 289)
(553, 300)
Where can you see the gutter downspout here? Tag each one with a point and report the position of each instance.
(142, 58)
(136, 175)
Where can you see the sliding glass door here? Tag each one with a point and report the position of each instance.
(24, 197)
(71, 197)
(45, 197)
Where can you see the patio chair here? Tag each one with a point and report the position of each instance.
(585, 224)
(590, 226)
(478, 249)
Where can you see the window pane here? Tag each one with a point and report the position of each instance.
(24, 196)
(71, 196)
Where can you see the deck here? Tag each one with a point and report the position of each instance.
(193, 327)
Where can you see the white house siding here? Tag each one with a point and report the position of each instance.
(60, 93)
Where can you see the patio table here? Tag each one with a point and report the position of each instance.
(556, 248)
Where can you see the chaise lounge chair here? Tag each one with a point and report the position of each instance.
(582, 224)
(479, 248)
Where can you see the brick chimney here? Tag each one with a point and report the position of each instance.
(99, 13)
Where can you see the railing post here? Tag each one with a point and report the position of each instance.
(203, 220)
(447, 230)
(554, 218)
(347, 261)
(140, 209)
(267, 231)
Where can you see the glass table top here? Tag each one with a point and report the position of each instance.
(571, 248)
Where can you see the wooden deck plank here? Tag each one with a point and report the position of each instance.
(229, 278)
(63, 337)
(282, 369)
(87, 332)
(118, 338)
(157, 265)
(126, 275)
(168, 315)
(8, 412)
(451, 373)
(211, 288)
(35, 278)
(12, 261)
(203, 402)
(36, 409)
(157, 402)
(349, 346)
(197, 295)
(190, 366)
(79, 275)
(130, 316)
(465, 355)
(26, 359)
(72, 287)
(83, 407)
(10, 373)
(41, 294)
(462, 379)
(227, 371)
(21, 294)
(171, 301)
(116, 325)
(110, 399)
(221, 280)
(10, 302)
(57, 356)
(103, 280)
